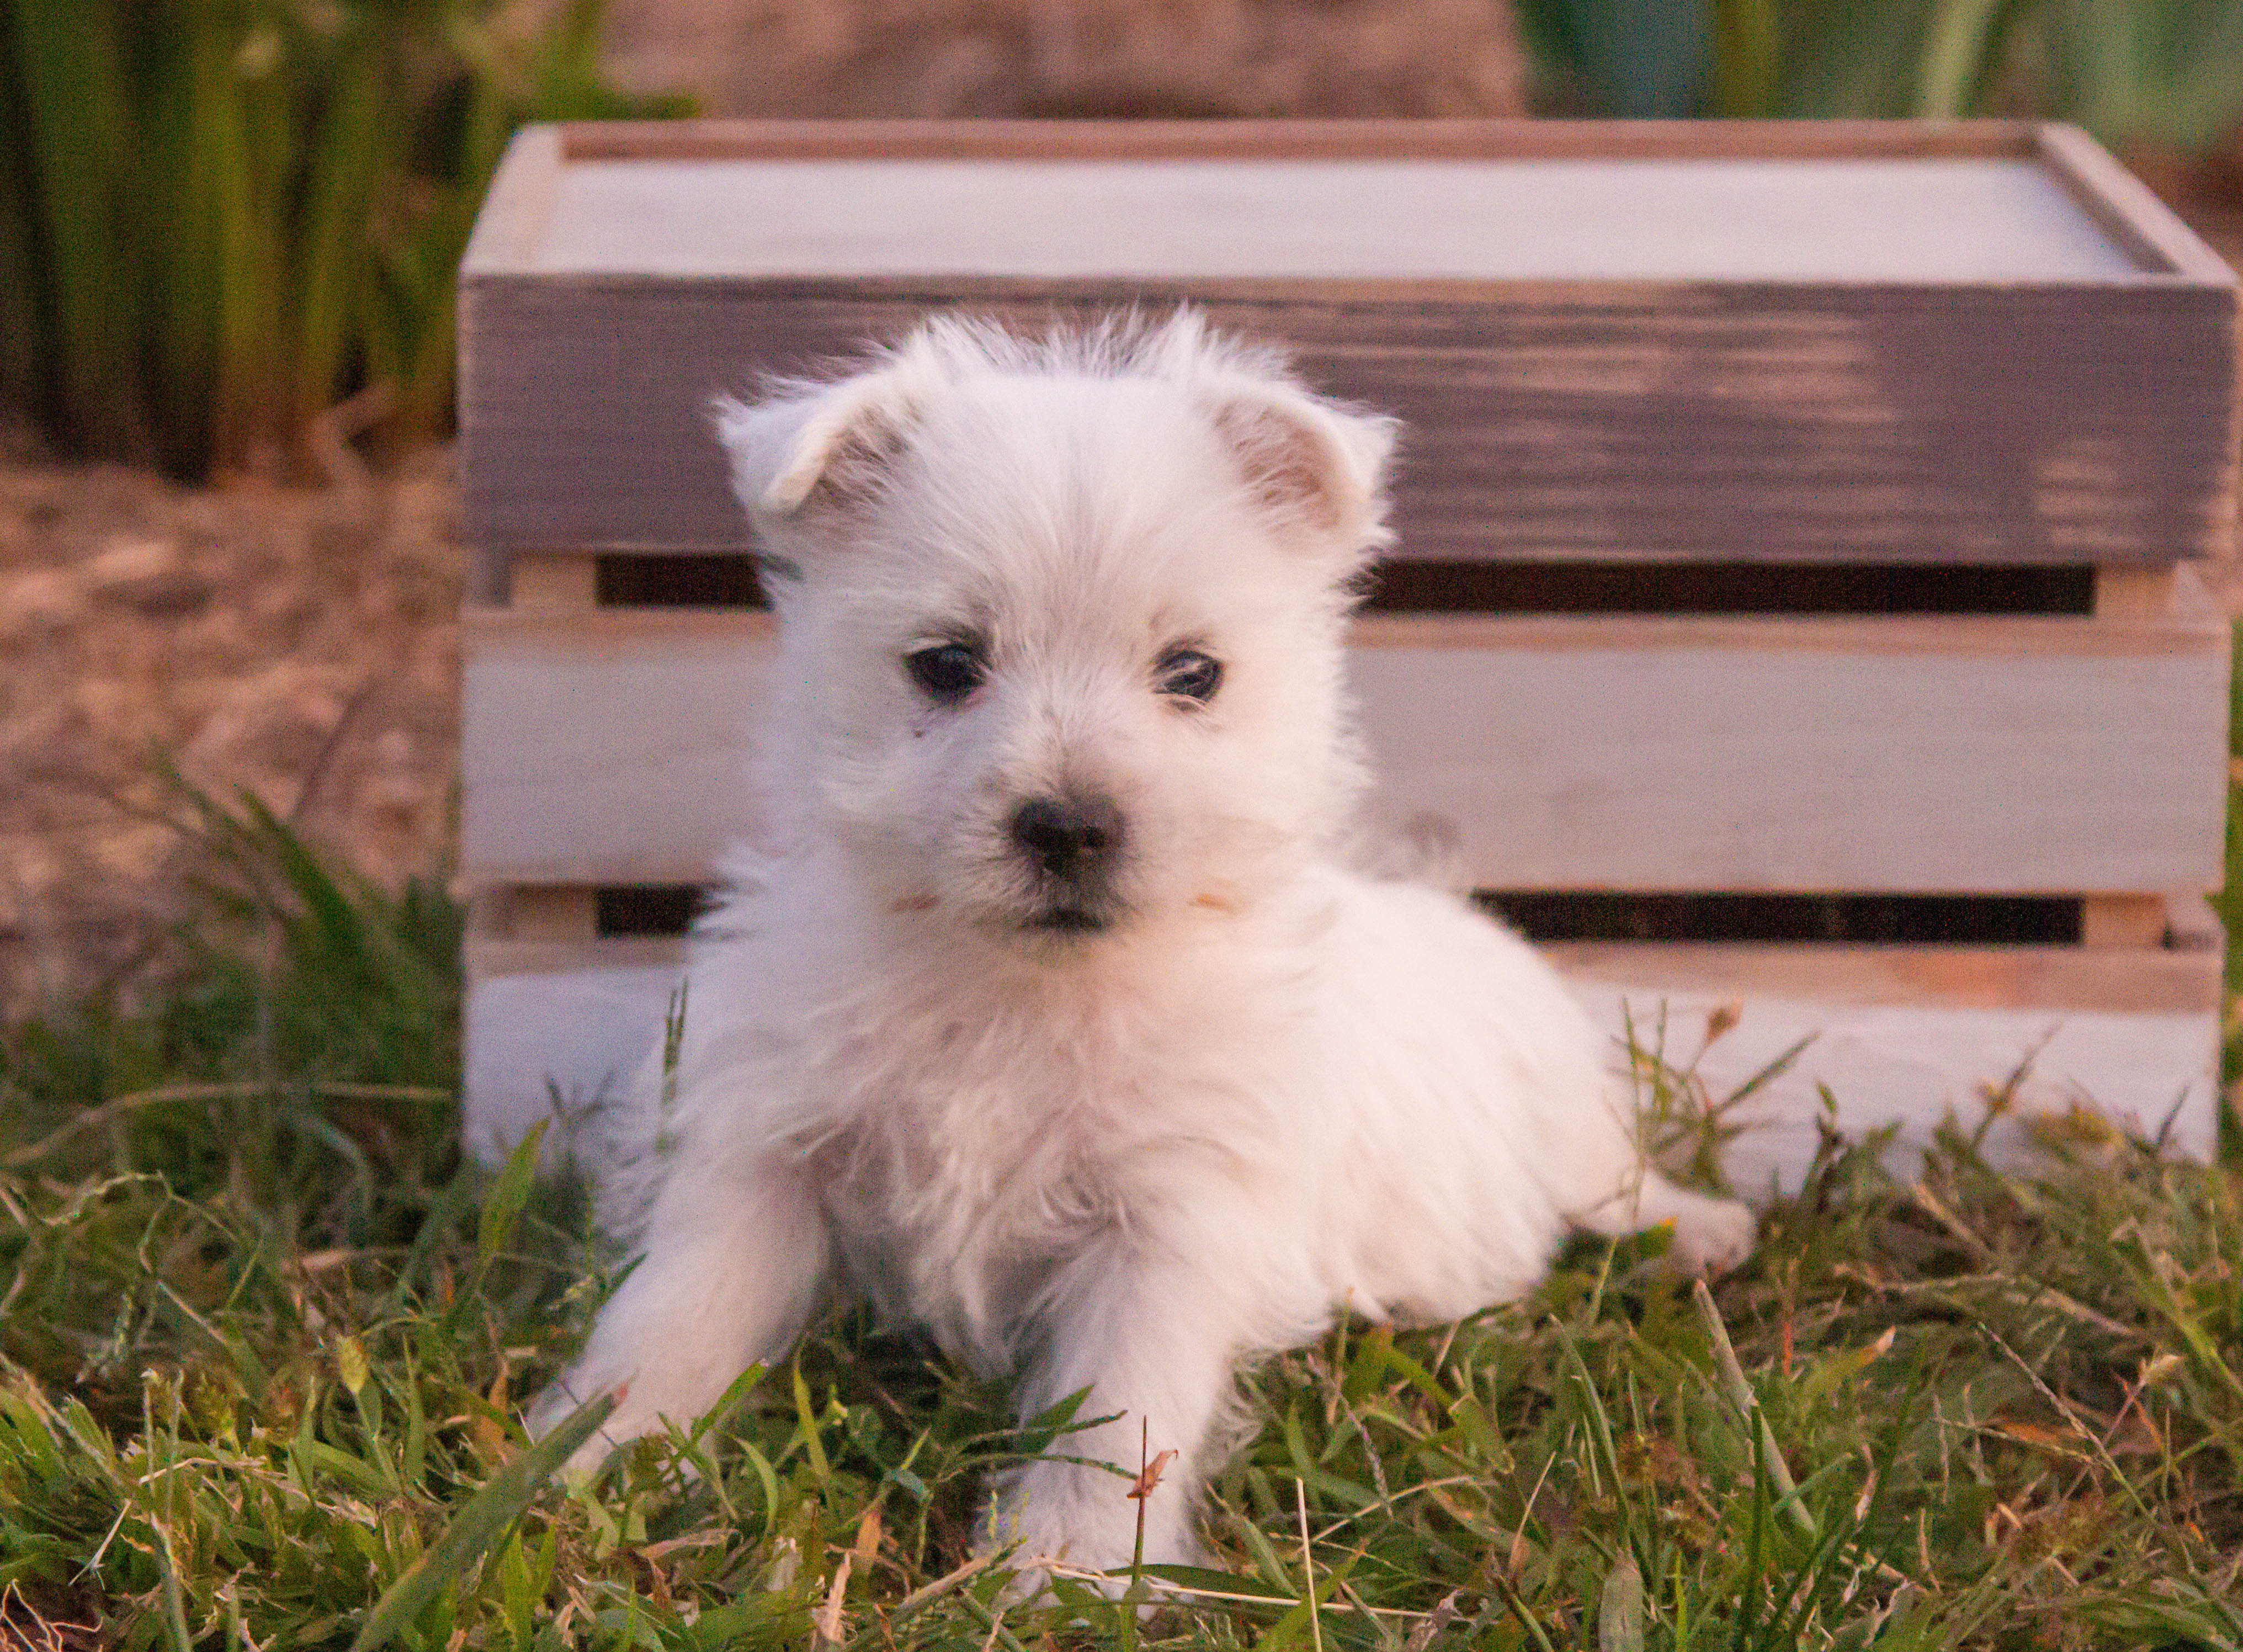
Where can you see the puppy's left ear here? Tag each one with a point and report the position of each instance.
(1319, 467)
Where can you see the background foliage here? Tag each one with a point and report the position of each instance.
(219, 217)
(2157, 74)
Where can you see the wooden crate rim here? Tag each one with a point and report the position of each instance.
(2117, 203)
(1392, 138)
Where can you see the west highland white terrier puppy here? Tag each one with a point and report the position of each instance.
(1051, 1017)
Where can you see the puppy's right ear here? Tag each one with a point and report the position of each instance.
(825, 444)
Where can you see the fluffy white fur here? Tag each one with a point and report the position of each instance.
(1242, 1088)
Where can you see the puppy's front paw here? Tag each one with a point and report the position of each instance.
(557, 1403)
(1713, 1235)
(650, 1400)
(1084, 1521)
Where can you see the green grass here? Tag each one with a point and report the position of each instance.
(263, 1339)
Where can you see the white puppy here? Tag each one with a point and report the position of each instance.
(1051, 1020)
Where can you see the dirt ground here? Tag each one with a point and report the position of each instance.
(1111, 57)
(302, 644)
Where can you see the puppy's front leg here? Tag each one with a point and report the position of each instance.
(736, 1257)
(1151, 1339)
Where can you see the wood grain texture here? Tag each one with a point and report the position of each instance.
(1742, 755)
(1923, 1038)
(1983, 756)
(505, 237)
(2154, 979)
(1563, 418)
(1817, 421)
(1911, 1068)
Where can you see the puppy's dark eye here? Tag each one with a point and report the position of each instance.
(947, 672)
(1187, 674)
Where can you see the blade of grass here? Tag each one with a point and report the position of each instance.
(479, 1527)
(1748, 1403)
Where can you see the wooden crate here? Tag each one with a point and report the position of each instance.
(1798, 512)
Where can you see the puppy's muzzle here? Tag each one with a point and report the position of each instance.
(1073, 846)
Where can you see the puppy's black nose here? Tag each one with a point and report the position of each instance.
(1069, 837)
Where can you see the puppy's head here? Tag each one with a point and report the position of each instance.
(1061, 618)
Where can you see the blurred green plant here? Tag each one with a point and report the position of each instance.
(228, 228)
(2159, 73)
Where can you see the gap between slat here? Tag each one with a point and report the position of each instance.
(583, 912)
(547, 581)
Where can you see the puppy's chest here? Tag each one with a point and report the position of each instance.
(958, 1135)
(959, 1163)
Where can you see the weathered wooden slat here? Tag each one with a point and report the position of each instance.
(1822, 422)
(1977, 755)
(610, 746)
(516, 206)
(1725, 413)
